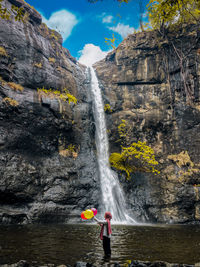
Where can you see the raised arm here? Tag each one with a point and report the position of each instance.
(100, 222)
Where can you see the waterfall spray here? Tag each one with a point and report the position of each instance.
(112, 194)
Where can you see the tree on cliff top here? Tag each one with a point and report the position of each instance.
(165, 13)
(168, 13)
(120, 1)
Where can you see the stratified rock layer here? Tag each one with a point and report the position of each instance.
(40, 181)
(153, 84)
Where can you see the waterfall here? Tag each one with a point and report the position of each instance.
(112, 194)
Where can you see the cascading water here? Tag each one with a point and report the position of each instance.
(113, 198)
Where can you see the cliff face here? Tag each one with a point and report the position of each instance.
(47, 161)
(48, 168)
(153, 85)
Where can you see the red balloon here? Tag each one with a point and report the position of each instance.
(94, 211)
(83, 216)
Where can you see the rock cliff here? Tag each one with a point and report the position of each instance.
(48, 167)
(152, 84)
(47, 160)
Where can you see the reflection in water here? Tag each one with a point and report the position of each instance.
(62, 244)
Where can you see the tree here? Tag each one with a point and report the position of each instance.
(111, 41)
(120, 1)
(137, 157)
(164, 14)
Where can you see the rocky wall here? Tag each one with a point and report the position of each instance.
(48, 169)
(152, 83)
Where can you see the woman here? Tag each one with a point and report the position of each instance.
(106, 232)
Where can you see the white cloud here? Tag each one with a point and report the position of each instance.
(91, 54)
(122, 29)
(62, 21)
(107, 19)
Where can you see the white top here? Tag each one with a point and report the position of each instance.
(105, 228)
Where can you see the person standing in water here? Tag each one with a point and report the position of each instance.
(105, 233)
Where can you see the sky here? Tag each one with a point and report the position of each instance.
(84, 26)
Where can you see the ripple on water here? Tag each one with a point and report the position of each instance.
(61, 244)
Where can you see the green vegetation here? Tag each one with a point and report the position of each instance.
(122, 130)
(186, 167)
(2, 81)
(107, 108)
(57, 94)
(111, 41)
(166, 13)
(10, 101)
(3, 52)
(69, 152)
(137, 157)
(127, 263)
(32, 7)
(38, 65)
(52, 59)
(15, 86)
(120, 1)
(18, 12)
(181, 159)
(53, 35)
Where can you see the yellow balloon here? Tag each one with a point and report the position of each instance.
(88, 214)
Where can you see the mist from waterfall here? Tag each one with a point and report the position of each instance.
(112, 194)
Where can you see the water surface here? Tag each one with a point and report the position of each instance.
(62, 244)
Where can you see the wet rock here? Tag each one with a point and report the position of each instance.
(156, 264)
(134, 263)
(83, 264)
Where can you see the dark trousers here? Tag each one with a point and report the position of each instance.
(106, 246)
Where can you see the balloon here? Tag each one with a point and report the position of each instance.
(94, 211)
(83, 216)
(88, 214)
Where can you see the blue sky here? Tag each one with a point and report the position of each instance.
(83, 24)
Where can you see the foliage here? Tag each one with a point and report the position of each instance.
(127, 263)
(53, 35)
(123, 1)
(137, 157)
(122, 129)
(69, 152)
(57, 94)
(38, 65)
(32, 7)
(111, 41)
(52, 59)
(15, 86)
(10, 101)
(71, 98)
(18, 12)
(2, 81)
(186, 168)
(182, 159)
(165, 13)
(3, 52)
(107, 108)
(120, 1)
